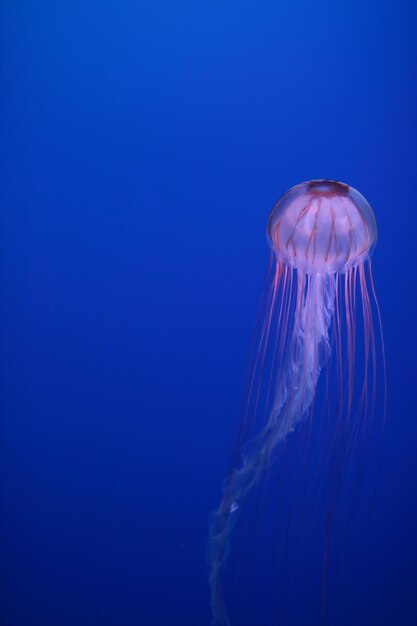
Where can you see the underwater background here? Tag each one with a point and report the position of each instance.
(142, 146)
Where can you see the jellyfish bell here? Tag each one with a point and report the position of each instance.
(322, 226)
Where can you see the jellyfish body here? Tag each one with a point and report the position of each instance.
(321, 234)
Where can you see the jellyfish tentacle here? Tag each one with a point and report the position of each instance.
(307, 353)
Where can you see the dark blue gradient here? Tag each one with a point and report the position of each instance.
(142, 147)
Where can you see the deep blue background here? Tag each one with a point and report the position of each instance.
(142, 146)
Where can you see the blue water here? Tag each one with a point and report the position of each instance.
(142, 146)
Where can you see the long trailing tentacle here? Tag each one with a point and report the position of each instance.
(306, 355)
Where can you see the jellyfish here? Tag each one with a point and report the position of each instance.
(321, 234)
